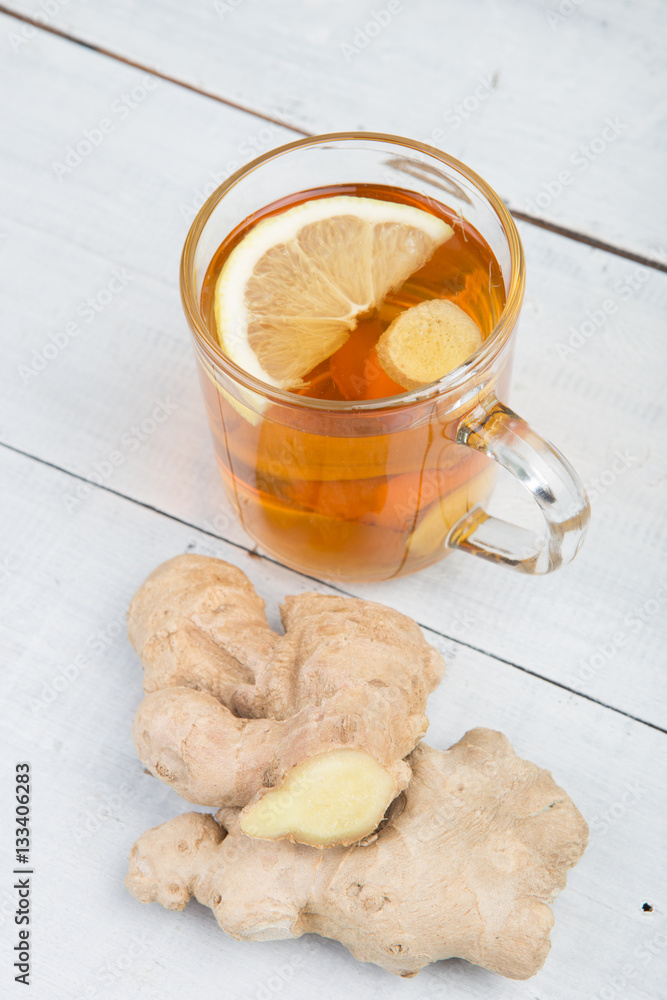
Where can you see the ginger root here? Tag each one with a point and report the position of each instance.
(426, 342)
(307, 731)
(464, 869)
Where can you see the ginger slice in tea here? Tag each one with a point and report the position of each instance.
(426, 342)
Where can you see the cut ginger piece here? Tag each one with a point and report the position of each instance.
(433, 530)
(307, 732)
(335, 798)
(426, 342)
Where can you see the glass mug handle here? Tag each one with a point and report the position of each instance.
(495, 430)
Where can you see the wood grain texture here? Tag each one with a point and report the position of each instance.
(73, 682)
(523, 92)
(118, 403)
(98, 377)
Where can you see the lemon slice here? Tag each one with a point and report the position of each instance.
(291, 291)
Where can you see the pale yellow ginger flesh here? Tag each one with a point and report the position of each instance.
(465, 866)
(433, 530)
(336, 798)
(234, 712)
(426, 342)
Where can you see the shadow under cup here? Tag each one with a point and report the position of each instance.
(369, 490)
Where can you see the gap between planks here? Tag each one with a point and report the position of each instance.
(325, 583)
(532, 220)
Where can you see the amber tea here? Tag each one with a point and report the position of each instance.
(382, 501)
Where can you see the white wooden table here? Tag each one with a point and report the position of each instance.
(561, 106)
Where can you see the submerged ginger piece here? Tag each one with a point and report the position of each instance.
(470, 856)
(426, 342)
(307, 731)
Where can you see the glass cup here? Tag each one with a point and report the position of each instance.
(369, 490)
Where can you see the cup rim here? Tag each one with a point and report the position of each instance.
(455, 380)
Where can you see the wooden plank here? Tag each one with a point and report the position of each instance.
(599, 625)
(118, 403)
(557, 105)
(72, 683)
